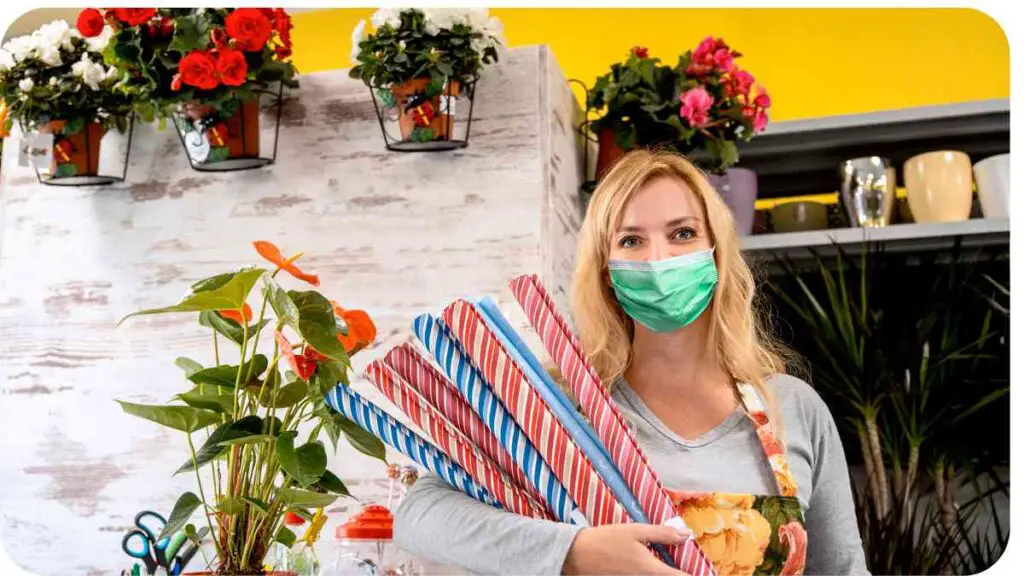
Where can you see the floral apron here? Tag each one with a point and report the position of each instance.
(745, 534)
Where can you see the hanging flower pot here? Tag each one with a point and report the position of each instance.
(231, 138)
(422, 68)
(79, 154)
(608, 151)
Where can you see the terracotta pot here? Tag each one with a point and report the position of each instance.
(75, 154)
(239, 133)
(607, 152)
(939, 186)
(738, 188)
(421, 116)
(993, 178)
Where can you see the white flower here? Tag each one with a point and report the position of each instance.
(358, 35)
(476, 18)
(56, 34)
(49, 55)
(441, 18)
(99, 42)
(21, 47)
(401, 45)
(53, 81)
(388, 16)
(6, 60)
(111, 73)
(26, 85)
(91, 73)
(430, 26)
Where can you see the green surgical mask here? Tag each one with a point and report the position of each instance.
(665, 295)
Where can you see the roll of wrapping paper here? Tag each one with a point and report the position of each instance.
(609, 423)
(406, 361)
(371, 418)
(453, 442)
(441, 343)
(543, 429)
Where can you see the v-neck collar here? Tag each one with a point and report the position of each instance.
(637, 404)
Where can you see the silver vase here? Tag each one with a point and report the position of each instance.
(867, 191)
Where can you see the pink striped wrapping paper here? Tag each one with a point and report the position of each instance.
(453, 443)
(546, 433)
(445, 397)
(609, 423)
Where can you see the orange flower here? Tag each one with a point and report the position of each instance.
(361, 329)
(234, 315)
(274, 256)
(304, 365)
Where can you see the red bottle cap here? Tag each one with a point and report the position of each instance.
(374, 522)
(293, 519)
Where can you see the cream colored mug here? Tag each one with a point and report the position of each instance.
(939, 186)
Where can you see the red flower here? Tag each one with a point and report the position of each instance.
(283, 25)
(710, 55)
(134, 16)
(282, 52)
(219, 38)
(90, 22)
(639, 52)
(361, 329)
(299, 364)
(231, 67)
(762, 100)
(249, 28)
(760, 120)
(198, 69)
(234, 315)
(273, 255)
(738, 83)
(161, 28)
(696, 104)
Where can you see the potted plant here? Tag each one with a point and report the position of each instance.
(206, 68)
(249, 411)
(54, 82)
(635, 99)
(414, 56)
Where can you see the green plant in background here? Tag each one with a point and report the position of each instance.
(441, 45)
(248, 412)
(911, 356)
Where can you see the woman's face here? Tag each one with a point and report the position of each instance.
(663, 219)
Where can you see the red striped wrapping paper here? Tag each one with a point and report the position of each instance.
(408, 363)
(453, 443)
(543, 429)
(609, 423)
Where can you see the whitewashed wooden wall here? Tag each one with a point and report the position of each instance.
(395, 234)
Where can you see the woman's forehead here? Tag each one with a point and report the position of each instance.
(662, 199)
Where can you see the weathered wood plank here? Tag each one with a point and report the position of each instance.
(395, 234)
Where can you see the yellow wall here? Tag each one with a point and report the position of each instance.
(814, 62)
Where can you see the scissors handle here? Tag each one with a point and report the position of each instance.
(143, 551)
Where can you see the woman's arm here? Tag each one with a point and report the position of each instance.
(446, 526)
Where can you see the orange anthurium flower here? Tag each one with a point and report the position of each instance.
(274, 256)
(301, 365)
(234, 315)
(361, 329)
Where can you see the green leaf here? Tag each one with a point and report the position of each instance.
(284, 308)
(229, 328)
(285, 537)
(301, 512)
(445, 68)
(227, 375)
(305, 464)
(331, 483)
(189, 34)
(231, 506)
(287, 395)
(183, 509)
(209, 399)
(229, 296)
(297, 497)
(318, 325)
(249, 440)
(184, 418)
(192, 535)
(212, 448)
(257, 504)
(360, 439)
(188, 365)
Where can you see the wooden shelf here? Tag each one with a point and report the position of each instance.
(977, 232)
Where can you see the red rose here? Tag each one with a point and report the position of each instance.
(249, 28)
(283, 25)
(282, 52)
(231, 67)
(134, 16)
(640, 52)
(90, 22)
(219, 38)
(198, 69)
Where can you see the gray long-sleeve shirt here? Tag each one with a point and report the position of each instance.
(446, 526)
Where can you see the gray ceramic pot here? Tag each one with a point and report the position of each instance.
(738, 187)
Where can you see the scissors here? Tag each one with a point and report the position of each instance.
(141, 543)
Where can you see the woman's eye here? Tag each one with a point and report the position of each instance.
(629, 242)
(684, 234)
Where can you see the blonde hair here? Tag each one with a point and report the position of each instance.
(737, 337)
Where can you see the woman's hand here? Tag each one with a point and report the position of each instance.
(620, 549)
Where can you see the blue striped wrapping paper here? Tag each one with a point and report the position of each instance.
(441, 344)
(395, 434)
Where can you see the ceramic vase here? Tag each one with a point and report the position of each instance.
(992, 177)
(939, 186)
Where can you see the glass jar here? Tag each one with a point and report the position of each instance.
(365, 546)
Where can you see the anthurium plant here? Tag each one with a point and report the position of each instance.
(55, 74)
(240, 416)
(210, 57)
(441, 45)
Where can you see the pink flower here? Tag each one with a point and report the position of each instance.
(723, 60)
(794, 537)
(696, 103)
(760, 120)
(739, 82)
(710, 55)
(762, 100)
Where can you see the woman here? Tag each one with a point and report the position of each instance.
(663, 304)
